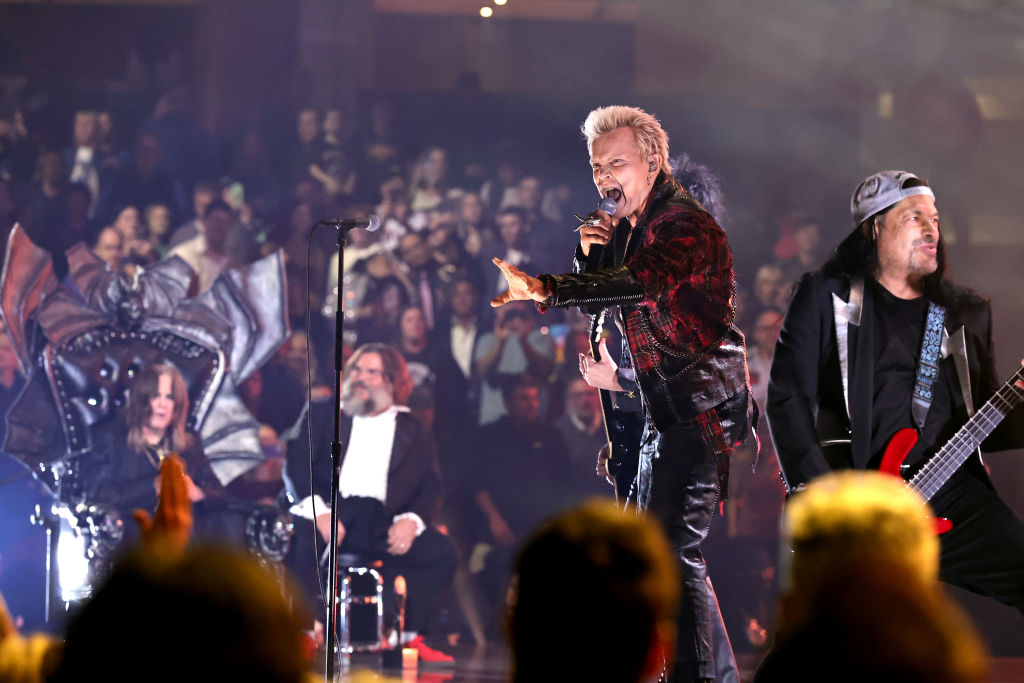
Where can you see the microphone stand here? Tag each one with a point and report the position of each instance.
(337, 455)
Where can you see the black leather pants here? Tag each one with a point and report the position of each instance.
(984, 553)
(678, 483)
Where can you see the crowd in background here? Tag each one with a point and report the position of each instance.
(517, 430)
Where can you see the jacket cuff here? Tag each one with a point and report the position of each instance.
(579, 260)
(420, 525)
(310, 507)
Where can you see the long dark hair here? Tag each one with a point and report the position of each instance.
(138, 412)
(857, 255)
(703, 183)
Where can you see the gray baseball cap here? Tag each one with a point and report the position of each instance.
(880, 191)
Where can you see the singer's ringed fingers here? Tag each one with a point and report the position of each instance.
(597, 233)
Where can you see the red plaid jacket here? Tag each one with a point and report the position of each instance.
(675, 290)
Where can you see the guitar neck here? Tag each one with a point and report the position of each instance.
(968, 438)
(596, 329)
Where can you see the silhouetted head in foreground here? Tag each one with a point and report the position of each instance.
(208, 614)
(595, 599)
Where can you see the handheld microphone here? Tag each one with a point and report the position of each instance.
(368, 223)
(607, 204)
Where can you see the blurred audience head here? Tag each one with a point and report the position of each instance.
(203, 193)
(148, 153)
(78, 197)
(110, 248)
(412, 324)
(767, 283)
(158, 221)
(127, 223)
(873, 622)
(471, 210)
(516, 316)
(334, 122)
(465, 298)
(414, 251)
(430, 169)
(105, 127)
(610, 576)
(308, 125)
(582, 401)
(422, 406)
(767, 328)
(393, 189)
(218, 219)
(521, 394)
(50, 169)
(529, 192)
(849, 516)
(85, 130)
(207, 614)
(807, 234)
(513, 226)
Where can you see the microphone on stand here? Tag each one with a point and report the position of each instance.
(607, 204)
(368, 223)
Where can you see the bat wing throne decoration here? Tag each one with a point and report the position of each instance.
(81, 342)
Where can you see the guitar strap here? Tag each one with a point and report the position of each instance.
(927, 364)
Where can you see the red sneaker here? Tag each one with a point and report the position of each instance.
(427, 654)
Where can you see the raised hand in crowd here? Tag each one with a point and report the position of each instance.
(7, 627)
(171, 524)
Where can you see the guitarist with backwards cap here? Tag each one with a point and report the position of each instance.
(880, 344)
(666, 264)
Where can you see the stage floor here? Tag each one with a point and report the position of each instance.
(490, 664)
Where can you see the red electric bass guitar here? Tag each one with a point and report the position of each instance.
(947, 460)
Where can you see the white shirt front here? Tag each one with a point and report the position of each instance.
(206, 266)
(364, 472)
(84, 171)
(368, 456)
(462, 339)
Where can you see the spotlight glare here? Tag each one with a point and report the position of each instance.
(486, 12)
(499, 3)
(72, 564)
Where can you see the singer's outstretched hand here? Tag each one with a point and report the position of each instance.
(521, 287)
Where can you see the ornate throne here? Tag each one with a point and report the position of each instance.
(81, 343)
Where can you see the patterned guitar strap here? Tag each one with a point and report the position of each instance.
(927, 364)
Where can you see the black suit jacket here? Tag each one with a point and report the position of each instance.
(414, 484)
(820, 422)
